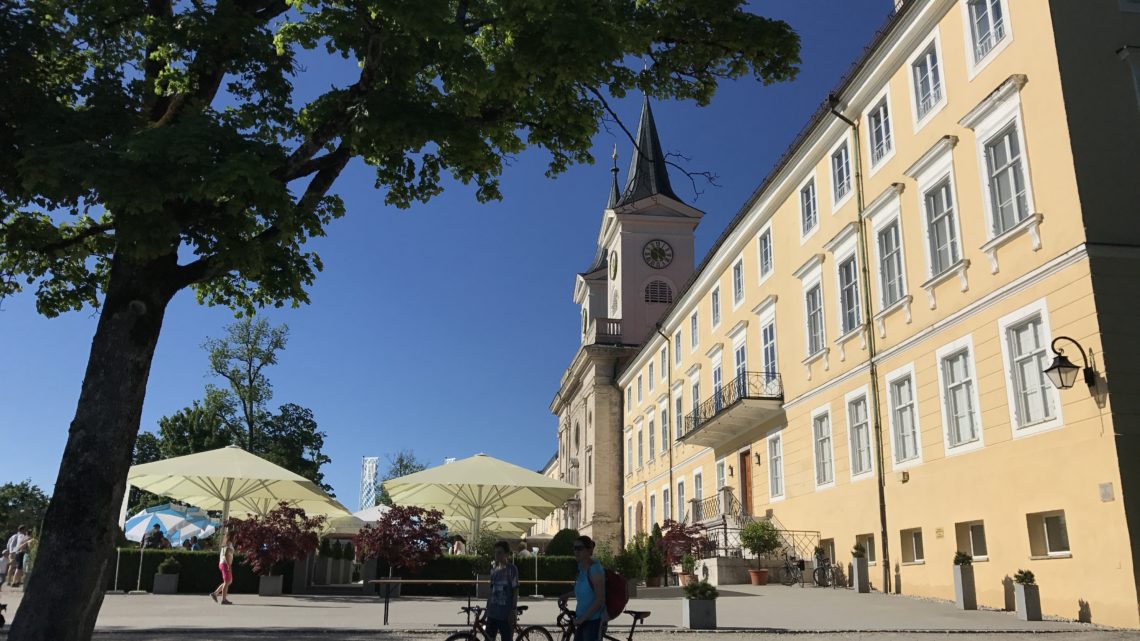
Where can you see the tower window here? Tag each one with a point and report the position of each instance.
(658, 291)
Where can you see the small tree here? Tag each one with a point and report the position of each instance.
(760, 538)
(630, 562)
(563, 543)
(679, 539)
(284, 534)
(405, 537)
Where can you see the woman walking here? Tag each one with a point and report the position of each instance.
(226, 565)
(589, 592)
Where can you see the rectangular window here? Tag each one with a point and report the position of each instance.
(971, 538)
(1008, 197)
(809, 215)
(1048, 534)
(775, 466)
(664, 429)
(629, 527)
(698, 486)
(694, 325)
(940, 228)
(719, 475)
(715, 307)
(860, 436)
(849, 295)
(1028, 360)
(662, 363)
(681, 501)
(640, 395)
(678, 415)
(891, 264)
(629, 454)
(841, 173)
(677, 348)
(766, 253)
(589, 466)
(651, 377)
(905, 425)
(652, 439)
(912, 546)
(868, 541)
(665, 504)
(768, 345)
(652, 510)
(879, 121)
(927, 81)
(814, 308)
(821, 429)
(718, 399)
(695, 395)
(738, 282)
(987, 26)
(741, 357)
(958, 395)
(640, 449)
(629, 398)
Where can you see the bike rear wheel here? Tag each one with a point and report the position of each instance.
(819, 576)
(787, 576)
(463, 636)
(534, 633)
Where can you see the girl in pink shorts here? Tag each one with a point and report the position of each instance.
(226, 565)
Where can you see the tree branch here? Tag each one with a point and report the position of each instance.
(87, 232)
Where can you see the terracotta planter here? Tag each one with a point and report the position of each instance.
(759, 577)
(685, 579)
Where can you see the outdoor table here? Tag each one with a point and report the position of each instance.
(473, 582)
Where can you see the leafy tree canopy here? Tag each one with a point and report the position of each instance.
(400, 464)
(21, 503)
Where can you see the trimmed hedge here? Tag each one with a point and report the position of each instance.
(555, 568)
(199, 572)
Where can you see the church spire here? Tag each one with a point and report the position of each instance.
(614, 191)
(648, 175)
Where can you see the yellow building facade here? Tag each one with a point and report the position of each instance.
(862, 353)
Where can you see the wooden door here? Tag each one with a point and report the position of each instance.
(745, 468)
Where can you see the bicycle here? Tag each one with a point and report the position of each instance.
(828, 574)
(566, 618)
(792, 571)
(478, 631)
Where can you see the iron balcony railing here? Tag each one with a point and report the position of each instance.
(749, 385)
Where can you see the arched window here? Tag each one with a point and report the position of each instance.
(658, 291)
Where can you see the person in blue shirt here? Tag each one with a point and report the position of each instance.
(502, 604)
(589, 593)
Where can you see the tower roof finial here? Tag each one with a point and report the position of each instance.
(614, 192)
(648, 174)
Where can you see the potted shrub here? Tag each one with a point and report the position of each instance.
(1027, 596)
(405, 537)
(860, 576)
(284, 534)
(688, 569)
(698, 608)
(964, 593)
(166, 580)
(679, 540)
(761, 539)
(630, 563)
(654, 559)
(321, 563)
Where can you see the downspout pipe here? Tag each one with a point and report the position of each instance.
(876, 401)
(669, 395)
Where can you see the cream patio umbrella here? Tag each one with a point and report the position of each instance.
(229, 479)
(482, 490)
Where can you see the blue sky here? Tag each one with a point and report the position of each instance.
(444, 328)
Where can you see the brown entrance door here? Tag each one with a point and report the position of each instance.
(745, 481)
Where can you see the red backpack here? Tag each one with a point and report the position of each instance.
(616, 595)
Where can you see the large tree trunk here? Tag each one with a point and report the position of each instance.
(65, 589)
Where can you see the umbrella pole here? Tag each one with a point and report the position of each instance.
(138, 584)
(118, 556)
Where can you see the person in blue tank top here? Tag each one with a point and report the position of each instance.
(589, 593)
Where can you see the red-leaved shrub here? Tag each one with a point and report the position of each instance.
(284, 534)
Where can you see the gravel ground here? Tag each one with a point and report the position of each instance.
(722, 635)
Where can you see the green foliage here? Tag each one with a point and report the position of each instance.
(760, 537)
(605, 555)
(402, 463)
(325, 548)
(240, 358)
(562, 543)
(701, 591)
(22, 503)
(169, 565)
(654, 558)
(550, 568)
(859, 551)
(1025, 577)
(688, 564)
(630, 562)
(484, 545)
(198, 571)
(961, 558)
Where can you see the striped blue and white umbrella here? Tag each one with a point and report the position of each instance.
(177, 523)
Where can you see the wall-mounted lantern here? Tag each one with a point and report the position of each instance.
(1063, 373)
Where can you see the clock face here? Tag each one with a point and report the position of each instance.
(657, 254)
(613, 265)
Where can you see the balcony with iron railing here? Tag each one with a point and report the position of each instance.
(603, 331)
(746, 401)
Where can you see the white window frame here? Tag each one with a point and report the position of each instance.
(989, 118)
(883, 96)
(809, 183)
(836, 203)
(694, 331)
(698, 484)
(640, 391)
(666, 503)
(935, 42)
(811, 275)
(721, 477)
(677, 352)
(930, 171)
(629, 451)
(737, 283)
(973, 65)
(640, 445)
(895, 375)
(965, 343)
(1038, 307)
(652, 510)
(766, 316)
(714, 306)
(649, 375)
(663, 413)
(651, 427)
(628, 399)
(882, 212)
(765, 232)
(775, 471)
(816, 414)
(663, 363)
(681, 500)
(678, 400)
(852, 396)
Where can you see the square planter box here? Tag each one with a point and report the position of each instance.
(964, 593)
(270, 585)
(166, 584)
(698, 614)
(860, 576)
(1028, 599)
